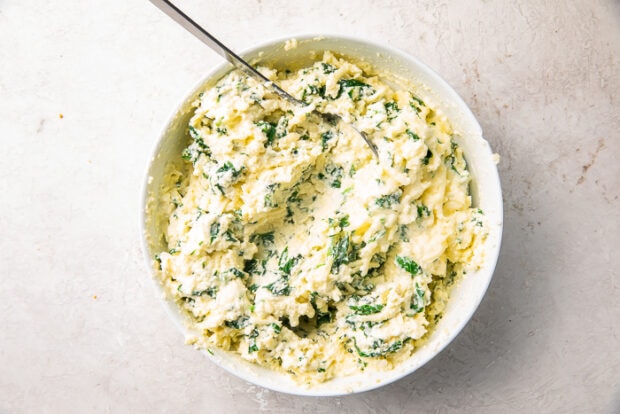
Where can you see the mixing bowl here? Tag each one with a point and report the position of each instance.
(395, 67)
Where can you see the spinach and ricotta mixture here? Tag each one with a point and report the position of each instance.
(290, 245)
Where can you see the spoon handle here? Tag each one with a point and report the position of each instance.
(194, 28)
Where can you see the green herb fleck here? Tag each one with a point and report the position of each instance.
(294, 197)
(391, 110)
(342, 251)
(367, 309)
(228, 167)
(210, 291)
(220, 188)
(413, 135)
(408, 265)
(214, 230)
(325, 137)
(352, 83)
(427, 157)
(423, 211)
(403, 232)
(193, 132)
(239, 323)
(379, 348)
(270, 190)
(335, 175)
(237, 273)
(285, 263)
(378, 258)
(341, 222)
(269, 129)
(389, 200)
(353, 87)
(253, 335)
(417, 302)
(313, 90)
(416, 103)
(263, 238)
(327, 68)
(280, 287)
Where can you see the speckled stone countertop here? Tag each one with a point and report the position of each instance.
(84, 90)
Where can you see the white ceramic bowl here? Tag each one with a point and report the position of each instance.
(485, 190)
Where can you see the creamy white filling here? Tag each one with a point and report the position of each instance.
(291, 246)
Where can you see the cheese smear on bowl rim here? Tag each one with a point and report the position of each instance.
(289, 245)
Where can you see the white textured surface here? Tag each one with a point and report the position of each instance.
(81, 329)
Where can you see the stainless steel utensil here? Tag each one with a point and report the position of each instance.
(194, 28)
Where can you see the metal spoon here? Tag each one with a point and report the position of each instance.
(194, 28)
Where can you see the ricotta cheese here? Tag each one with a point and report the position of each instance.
(290, 245)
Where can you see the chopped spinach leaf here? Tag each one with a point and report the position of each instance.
(378, 258)
(413, 135)
(313, 90)
(327, 68)
(269, 129)
(341, 222)
(254, 267)
(403, 232)
(220, 188)
(391, 110)
(285, 263)
(408, 265)
(252, 340)
(214, 230)
(263, 238)
(195, 149)
(335, 175)
(325, 137)
(352, 83)
(427, 157)
(423, 211)
(269, 196)
(416, 103)
(417, 301)
(239, 323)
(367, 309)
(379, 348)
(237, 273)
(210, 291)
(294, 197)
(193, 132)
(229, 167)
(389, 200)
(228, 235)
(353, 87)
(280, 287)
(342, 251)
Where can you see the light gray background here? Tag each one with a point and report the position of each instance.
(81, 329)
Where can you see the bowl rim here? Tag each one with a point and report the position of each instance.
(490, 260)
